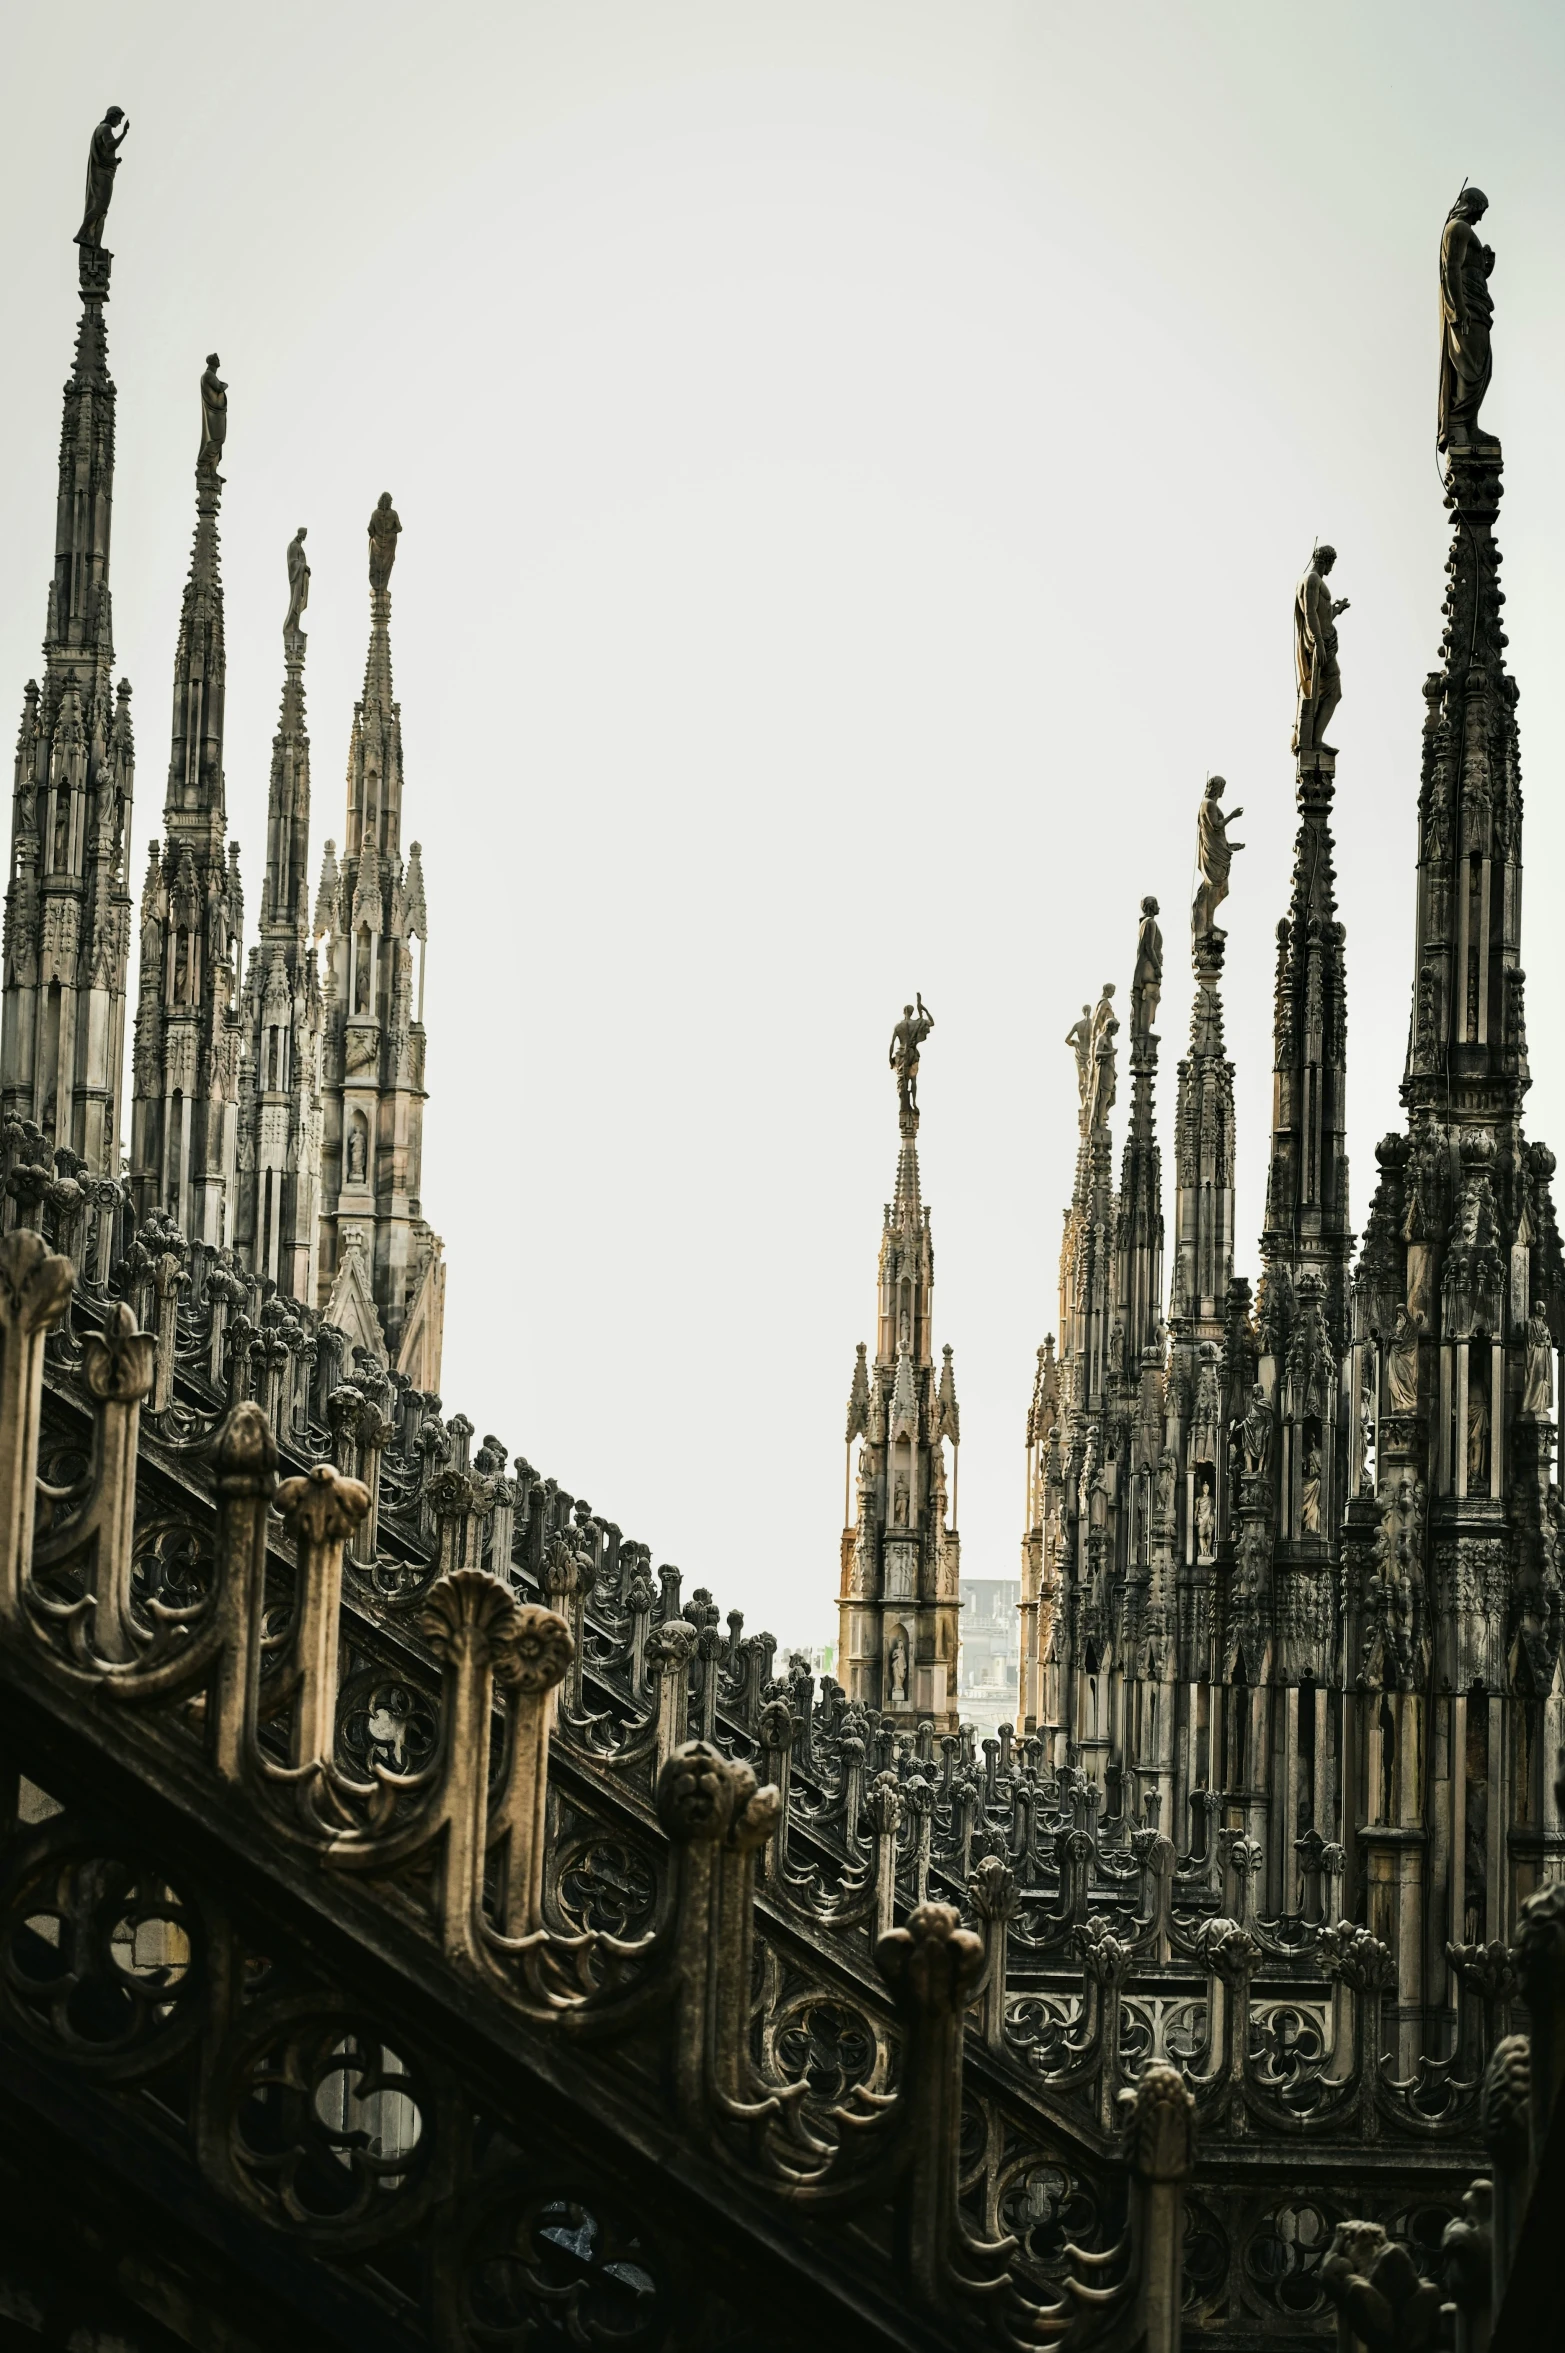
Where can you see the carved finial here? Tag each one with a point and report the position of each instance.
(906, 1038)
(1214, 856)
(1466, 312)
(1315, 613)
(298, 597)
(214, 417)
(384, 525)
(103, 161)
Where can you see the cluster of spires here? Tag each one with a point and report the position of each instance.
(280, 1120)
(1292, 1571)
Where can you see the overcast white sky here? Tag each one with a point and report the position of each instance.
(854, 460)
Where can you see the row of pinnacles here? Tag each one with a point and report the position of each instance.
(1291, 1574)
(279, 1125)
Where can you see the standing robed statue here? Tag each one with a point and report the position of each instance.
(103, 161)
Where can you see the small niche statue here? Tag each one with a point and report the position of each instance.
(298, 593)
(1538, 1381)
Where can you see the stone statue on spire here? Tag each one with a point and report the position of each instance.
(1466, 311)
(1215, 852)
(298, 596)
(1101, 1073)
(906, 1039)
(103, 161)
(385, 523)
(1079, 1039)
(1146, 982)
(1315, 613)
(214, 416)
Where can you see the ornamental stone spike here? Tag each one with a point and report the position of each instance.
(899, 1589)
(68, 901)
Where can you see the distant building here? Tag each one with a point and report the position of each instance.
(986, 1668)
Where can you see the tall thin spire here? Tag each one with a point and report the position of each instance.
(900, 1593)
(1204, 1114)
(278, 1223)
(185, 1106)
(381, 1268)
(1138, 1213)
(67, 920)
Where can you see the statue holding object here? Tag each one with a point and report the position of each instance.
(906, 1039)
(1214, 853)
(1315, 613)
(103, 161)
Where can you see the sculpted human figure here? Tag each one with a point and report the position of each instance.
(1255, 1433)
(1315, 613)
(1466, 310)
(908, 1035)
(1100, 1078)
(896, 1666)
(214, 415)
(1538, 1383)
(103, 161)
(385, 523)
(298, 588)
(1477, 1439)
(1205, 1523)
(1309, 1494)
(1079, 1039)
(1402, 1364)
(1215, 853)
(1146, 984)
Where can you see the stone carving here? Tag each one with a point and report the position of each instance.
(1466, 311)
(1255, 1433)
(1214, 854)
(103, 161)
(1079, 1039)
(906, 1039)
(298, 594)
(1100, 1075)
(897, 1668)
(384, 525)
(1538, 1380)
(214, 416)
(1315, 613)
(1146, 986)
(1167, 1477)
(1309, 1494)
(1477, 1439)
(1390, 1618)
(1402, 1364)
(1376, 2287)
(1205, 1522)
